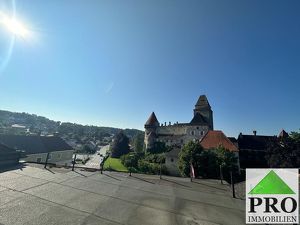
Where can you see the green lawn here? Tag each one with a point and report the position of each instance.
(114, 164)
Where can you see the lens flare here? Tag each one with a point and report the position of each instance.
(15, 27)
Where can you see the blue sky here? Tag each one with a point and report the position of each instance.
(111, 63)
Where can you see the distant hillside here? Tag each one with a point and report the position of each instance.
(75, 134)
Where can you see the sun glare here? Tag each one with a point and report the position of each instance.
(15, 27)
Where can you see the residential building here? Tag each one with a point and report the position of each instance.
(210, 142)
(252, 150)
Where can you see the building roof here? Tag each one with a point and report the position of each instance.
(202, 101)
(233, 139)
(152, 121)
(283, 134)
(215, 138)
(198, 119)
(6, 149)
(34, 144)
(254, 142)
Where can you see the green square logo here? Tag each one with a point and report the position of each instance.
(272, 196)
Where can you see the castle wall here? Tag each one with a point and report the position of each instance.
(179, 134)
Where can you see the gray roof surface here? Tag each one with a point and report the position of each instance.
(34, 196)
(6, 149)
(202, 101)
(34, 144)
(198, 119)
(254, 142)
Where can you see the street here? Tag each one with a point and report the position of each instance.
(95, 159)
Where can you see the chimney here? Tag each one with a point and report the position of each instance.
(254, 132)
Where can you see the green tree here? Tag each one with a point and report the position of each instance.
(138, 142)
(130, 160)
(228, 162)
(295, 136)
(120, 145)
(226, 158)
(284, 152)
(207, 166)
(190, 153)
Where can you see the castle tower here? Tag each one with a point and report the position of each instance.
(203, 111)
(150, 131)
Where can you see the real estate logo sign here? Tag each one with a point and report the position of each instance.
(272, 196)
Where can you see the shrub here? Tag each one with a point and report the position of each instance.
(155, 158)
(150, 168)
(130, 159)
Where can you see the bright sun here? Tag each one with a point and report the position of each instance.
(15, 27)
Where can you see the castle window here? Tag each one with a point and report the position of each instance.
(197, 128)
(172, 160)
(193, 133)
(202, 132)
(181, 141)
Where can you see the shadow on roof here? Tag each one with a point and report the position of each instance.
(18, 166)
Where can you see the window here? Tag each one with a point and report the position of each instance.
(58, 155)
(172, 160)
(39, 160)
(49, 156)
(202, 132)
(197, 128)
(193, 133)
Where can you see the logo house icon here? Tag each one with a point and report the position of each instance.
(272, 184)
(274, 198)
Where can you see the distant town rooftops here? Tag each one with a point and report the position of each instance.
(18, 126)
(215, 138)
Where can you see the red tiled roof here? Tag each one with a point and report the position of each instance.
(216, 138)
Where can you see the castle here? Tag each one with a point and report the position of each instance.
(178, 134)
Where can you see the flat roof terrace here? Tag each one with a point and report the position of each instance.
(33, 196)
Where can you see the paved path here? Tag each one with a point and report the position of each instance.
(34, 196)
